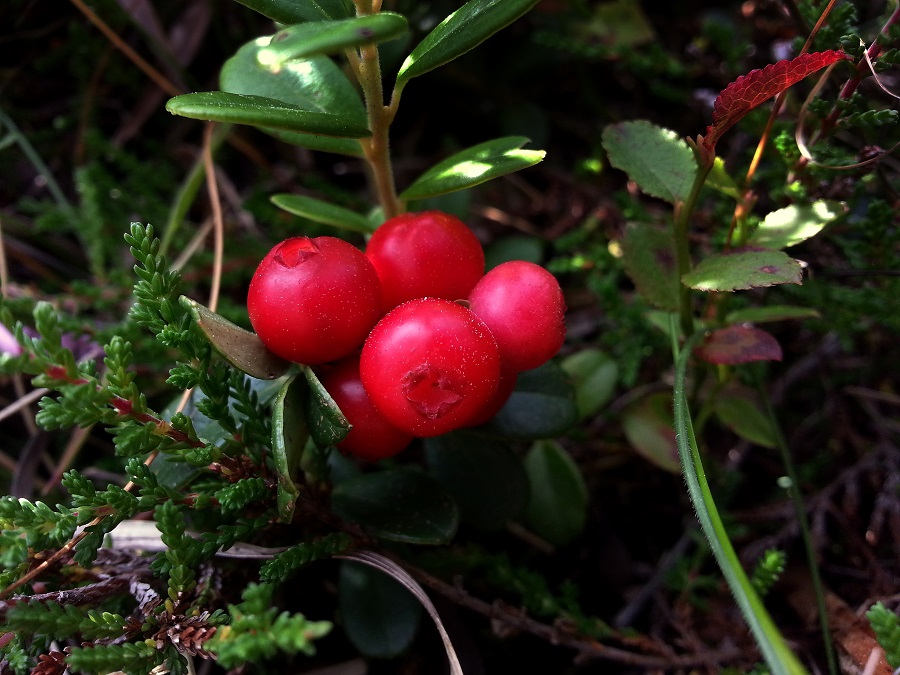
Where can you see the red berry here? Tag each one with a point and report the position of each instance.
(504, 390)
(427, 254)
(429, 366)
(523, 306)
(371, 437)
(314, 300)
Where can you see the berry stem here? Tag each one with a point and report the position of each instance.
(366, 65)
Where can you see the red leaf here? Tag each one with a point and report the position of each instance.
(758, 86)
(739, 344)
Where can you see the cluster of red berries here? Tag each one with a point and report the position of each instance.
(442, 342)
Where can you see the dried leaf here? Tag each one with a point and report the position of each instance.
(758, 86)
(739, 344)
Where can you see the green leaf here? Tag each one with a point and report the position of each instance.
(465, 29)
(323, 212)
(474, 166)
(657, 159)
(330, 37)
(541, 406)
(779, 657)
(241, 348)
(259, 111)
(289, 436)
(379, 615)
(297, 11)
(771, 313)
(327, 424)
(793, 224)
(594, 374)
(648, 255)
(316, 84)
(648, 427)
(738, 410)
(743, 269)
(399, 505)
(557, 508)
(486, 478)
(719, 179)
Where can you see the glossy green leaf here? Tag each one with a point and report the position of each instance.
(327, 424)
(323, 212)
(657, 159)
(486, 478)
(771, 313)
(379, 615)
(594, 374)
(330, 37)
(648, 427)
(398, 505)
(541, 406)
(737, 408)
(465, 29)
(258, 111)
(557, 507)
(617, 25)
(648, 255)
(297, 11)
(289, 436)
(474, 166)
(241, 348)
(742, 269)
(796, 223)
(316, 84)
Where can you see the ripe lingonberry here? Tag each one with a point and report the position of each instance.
(430, 366)
(314, 300)
(371, 436)
(427, 254)
(505, 389)
(523, 306)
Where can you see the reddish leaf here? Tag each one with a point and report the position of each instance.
(739, 344)
(758, 86)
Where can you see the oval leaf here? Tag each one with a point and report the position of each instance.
(289, 436)
(316, 84)
(793, 224)
(327, 424)
(557, 508)
(649, 429)
(474, 166)
(297, 11)
(657, 159)
(259, 111)
(758, 86)
(487, 480)
(241, 348)
(463, 30)
(737, 409)
(594, 374)
(541, 406)
(330, 37)
(648, 255)
(400, 505)
(771, 313)
(319, 211)
(742, 269)
(379, 615)
(739, 344)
